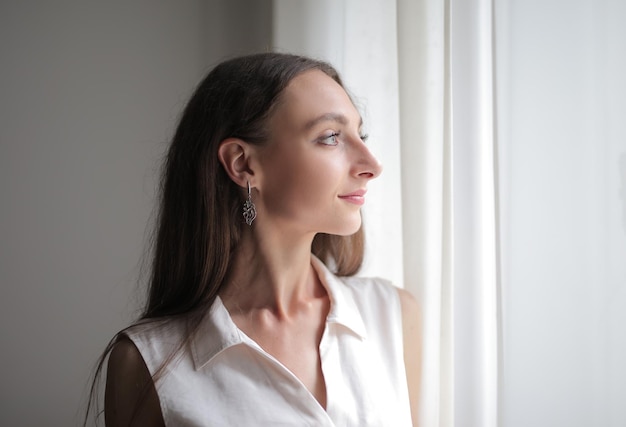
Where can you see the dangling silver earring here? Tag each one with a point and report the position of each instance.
(249, 210)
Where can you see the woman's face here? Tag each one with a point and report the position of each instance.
(315, 167)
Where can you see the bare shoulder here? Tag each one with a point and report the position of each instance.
(412, 337)
(408, 303)
(411, 318)
(125, 358)
(130, 396)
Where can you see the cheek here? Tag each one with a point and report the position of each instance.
(304, 181)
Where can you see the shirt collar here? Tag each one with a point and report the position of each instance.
(217, 331)
(343, 307)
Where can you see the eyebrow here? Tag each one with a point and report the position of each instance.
(330, 117)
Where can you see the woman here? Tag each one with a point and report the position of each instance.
(253, 316)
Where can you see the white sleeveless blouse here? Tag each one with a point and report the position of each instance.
(224, 378)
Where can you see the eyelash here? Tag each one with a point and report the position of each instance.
(335, 135)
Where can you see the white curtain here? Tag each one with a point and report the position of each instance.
(450, 247)
(427, 182)
(422, 73)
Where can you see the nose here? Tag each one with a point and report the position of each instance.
(366, 164)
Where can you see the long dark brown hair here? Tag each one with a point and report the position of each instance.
(199, 219)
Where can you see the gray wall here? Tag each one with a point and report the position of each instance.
(90, 93)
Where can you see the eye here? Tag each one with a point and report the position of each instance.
(330, 139)
(364, 137)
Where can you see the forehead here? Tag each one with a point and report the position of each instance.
(311, 95)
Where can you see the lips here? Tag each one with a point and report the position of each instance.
(355, 197)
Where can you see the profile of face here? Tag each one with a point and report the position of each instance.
(312, 174)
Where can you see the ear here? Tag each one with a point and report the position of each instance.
(234, 154)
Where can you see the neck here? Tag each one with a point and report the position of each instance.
(271, 274)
